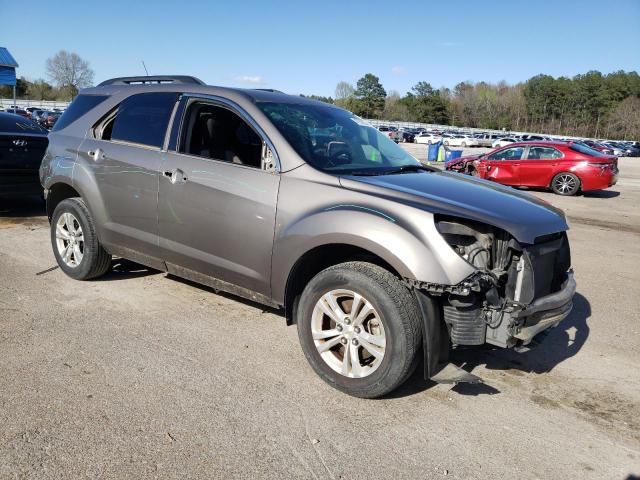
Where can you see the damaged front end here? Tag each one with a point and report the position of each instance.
(517, 290)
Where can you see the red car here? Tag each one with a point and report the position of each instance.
(565, 168)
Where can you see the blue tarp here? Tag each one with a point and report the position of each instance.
(7, 76)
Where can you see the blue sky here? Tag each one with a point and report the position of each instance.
(308, 47)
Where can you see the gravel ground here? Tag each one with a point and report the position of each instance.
(141, 375)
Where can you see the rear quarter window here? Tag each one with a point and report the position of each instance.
(81, 105)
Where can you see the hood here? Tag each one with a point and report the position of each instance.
(521, 214)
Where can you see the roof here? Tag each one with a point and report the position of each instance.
(112, 86)
(6, 59)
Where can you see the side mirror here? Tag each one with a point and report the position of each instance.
(268, 161)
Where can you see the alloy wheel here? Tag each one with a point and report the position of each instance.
(348, 333)
(565, 183)
(69, 239)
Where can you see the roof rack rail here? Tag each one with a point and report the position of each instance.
(272, 90)
(152, 79)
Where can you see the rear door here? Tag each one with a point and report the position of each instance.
(125, 153)
(502, 166)
(217, 198)
(538, 165)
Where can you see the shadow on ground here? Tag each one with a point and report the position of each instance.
(601, 194)
(546, 351)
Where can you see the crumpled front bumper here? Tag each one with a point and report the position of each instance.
(545, 312)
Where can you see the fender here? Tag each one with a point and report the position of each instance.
(416, 254)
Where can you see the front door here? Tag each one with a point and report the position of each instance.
(217, 204)
(503, 166)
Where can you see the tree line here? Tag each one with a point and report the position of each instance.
(587, 105)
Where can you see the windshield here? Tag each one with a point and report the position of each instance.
(578, 147)
(334, 140)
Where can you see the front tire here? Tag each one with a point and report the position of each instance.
(565, 184)
(75, 242)
(359, 328)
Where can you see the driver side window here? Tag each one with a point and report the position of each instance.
(218, 133)
(514, 153)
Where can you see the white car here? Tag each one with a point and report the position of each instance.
(427, 137)
(501, 142)
(461, 141)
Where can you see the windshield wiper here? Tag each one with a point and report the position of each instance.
(408, 169)
(392, 171)
(365, 173)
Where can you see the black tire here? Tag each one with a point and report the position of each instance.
(95, 259)
(565, 184)
(398, 313)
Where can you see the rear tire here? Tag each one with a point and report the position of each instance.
(382, 341)
(75, 242)
(565, 184)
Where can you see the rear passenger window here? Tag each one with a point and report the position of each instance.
(141, 119)
(543, 153)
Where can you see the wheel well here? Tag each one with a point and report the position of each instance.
(58, 193)
(316, 260)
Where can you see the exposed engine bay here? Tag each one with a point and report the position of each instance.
(517, 291)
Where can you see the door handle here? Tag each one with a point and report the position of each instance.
(96, 154)
(175, 176)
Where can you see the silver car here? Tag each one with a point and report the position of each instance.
(303, 206)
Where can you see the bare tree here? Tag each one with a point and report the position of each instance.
(69, 72)
(344, 90)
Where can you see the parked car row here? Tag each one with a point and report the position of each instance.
(456, 138)
(44, 118)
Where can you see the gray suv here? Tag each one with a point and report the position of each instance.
(296, 204)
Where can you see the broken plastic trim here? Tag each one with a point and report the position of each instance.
(476, 282)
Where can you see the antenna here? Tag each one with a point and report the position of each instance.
(145, 67)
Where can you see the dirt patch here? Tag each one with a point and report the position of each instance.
(29, 222)
(593, 222)
(543, 401)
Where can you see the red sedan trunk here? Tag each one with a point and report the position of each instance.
(566, 168)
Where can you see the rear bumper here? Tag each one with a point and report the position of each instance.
(599, 180)
(545, 312)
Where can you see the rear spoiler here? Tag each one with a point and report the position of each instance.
(152, 79)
